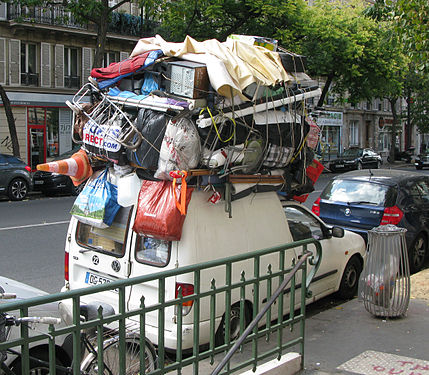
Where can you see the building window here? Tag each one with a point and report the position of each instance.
(368, 105)
(110, 57)
(379, 104)
(354, 133)
(71, 68)
(29, 74)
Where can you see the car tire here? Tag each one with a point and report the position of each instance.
(419, 167)
(18, 189)
(417, 253)
(350, 280)
(234, 323)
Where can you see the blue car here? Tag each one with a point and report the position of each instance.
(361, 200)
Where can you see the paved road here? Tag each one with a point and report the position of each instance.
(32, 236)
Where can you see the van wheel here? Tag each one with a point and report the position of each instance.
(37, 368)
(234, 323)
(350, 279)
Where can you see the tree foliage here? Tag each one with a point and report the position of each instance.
(343, 46)
(207, 19)
(411, 21)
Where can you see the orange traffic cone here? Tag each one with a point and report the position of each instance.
(78, 167)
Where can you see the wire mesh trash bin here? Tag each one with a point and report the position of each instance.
(384, 285)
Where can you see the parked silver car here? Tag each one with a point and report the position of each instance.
(15, 177)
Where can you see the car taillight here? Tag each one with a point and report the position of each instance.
(391, 215)
(316, 207)
(66, 265)
(27, 168)
(187, 290)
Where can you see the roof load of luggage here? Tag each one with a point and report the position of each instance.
(229, 116)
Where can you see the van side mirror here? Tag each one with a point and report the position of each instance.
(337, 232)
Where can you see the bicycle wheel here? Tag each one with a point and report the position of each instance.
(111, 358)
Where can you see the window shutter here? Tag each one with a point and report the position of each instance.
(123, 55)
(3, 11)
(45, 69)
(14, 62)
(86, 64)
(2, 61)
(59, 65)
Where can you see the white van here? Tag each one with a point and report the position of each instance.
(258, 221)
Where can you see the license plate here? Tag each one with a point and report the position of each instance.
(38, 182)
(340, 165)
(93, 279)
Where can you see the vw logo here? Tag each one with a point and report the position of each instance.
(95, 259)
(116, 266)
(347, 212)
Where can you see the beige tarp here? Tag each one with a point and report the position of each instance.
(231, 65)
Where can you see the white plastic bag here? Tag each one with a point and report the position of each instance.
(180, 149)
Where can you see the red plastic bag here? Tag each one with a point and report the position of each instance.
(157, 215)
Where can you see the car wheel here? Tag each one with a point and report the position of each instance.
(17, 189)
(359, 166)
(417, 253)
(418, 167)
(350, 280)
(234, 324)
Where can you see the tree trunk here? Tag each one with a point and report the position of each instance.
(10, 122)
(325, 90)
(392, 102)
(101, 39)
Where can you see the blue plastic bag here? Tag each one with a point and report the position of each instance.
(97, 204)
(149, 84)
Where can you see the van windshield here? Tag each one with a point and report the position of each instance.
(110, 240)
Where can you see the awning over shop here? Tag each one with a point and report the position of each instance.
(31, 98)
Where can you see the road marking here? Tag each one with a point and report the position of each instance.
(35, 225)
(372, 362)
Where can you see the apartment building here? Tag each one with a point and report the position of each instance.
(45, 57)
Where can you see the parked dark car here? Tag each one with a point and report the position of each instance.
(406, 155)
(54, 183)
(361, 200)
(15, 177)
(422, 161)
(356, 158)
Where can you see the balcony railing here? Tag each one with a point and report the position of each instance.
(29, 79)
(52, 15)
(120, 23)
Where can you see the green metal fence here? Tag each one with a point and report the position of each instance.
(272, 337)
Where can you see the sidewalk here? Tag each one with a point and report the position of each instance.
(348, 339)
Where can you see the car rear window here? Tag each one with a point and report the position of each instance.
(110, 240)
(359, 192)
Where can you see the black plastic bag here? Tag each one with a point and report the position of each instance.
(152, 125)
